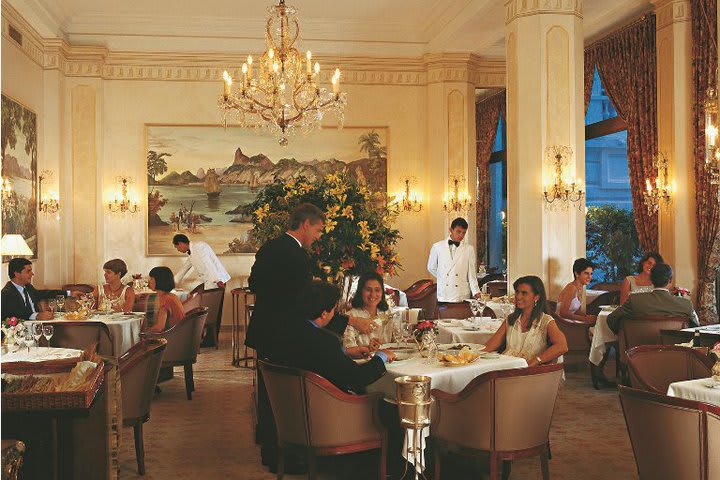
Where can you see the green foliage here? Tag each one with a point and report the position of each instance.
(358, 233)
(612, 241)
(156, 164)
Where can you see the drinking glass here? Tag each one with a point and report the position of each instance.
(407, 332)
(48, 331)
(37, 332)
(60, 301)
(52, 305)
(28, 339)
(474, 307)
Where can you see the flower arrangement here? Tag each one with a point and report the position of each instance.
(426, 326)
(716, 349)
(12, 328)
(680, 292)
(358, 234)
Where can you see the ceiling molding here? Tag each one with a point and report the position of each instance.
(515, 9)
(672, 11)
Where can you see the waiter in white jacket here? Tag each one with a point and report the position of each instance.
(453, 263)
(202, 258)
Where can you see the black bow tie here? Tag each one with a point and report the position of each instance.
(189, 252)
(450, 242)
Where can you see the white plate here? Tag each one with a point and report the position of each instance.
(489, 355)
(448, 346)
(396, 345)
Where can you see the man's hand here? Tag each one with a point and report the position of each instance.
(44, 316)
(374, 344)
(390, 355)
(220, 284)
(361, 351)
(362, 325)
(477, 295)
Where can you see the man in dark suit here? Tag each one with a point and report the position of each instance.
(659, 302)
(281, 270)
(19, 298)
(316, 349)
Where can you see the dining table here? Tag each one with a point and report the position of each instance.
(124, 328)
(704, 390)
(602, 336)
(470, 330)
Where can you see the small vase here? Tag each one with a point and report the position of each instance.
(716, 371)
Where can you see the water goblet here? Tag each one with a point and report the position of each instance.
(474, 307)
(28, 339)
(37, 332)
(48, 331)
(60, 301)
(52, 305)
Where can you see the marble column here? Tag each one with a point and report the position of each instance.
(544, 59)
(677, 221)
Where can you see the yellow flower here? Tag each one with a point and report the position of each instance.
(348, 212)
(330, 225)
(333, 178)
(304, 187)
(262, 212)
(364, 229)
(374, 250)
(332, 211)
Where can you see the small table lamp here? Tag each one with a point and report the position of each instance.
(14, 244)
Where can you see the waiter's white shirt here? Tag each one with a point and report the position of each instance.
(206, 264)
(455, 270)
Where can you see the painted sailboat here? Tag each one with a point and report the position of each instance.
(212, 183)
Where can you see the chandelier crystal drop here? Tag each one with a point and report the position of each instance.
(281, 90)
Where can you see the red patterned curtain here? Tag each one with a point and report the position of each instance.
(589, 76)
(704, 65)
(487, 115)
(627, 66)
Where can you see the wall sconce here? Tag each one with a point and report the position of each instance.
(456, 201)
(410, 202)
(712, 149)
(47, 206)
(123, 204)
(658, 192)
(560, 189)
(8, 196)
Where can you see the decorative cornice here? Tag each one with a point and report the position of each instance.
(668, 12)
(515, 9)
(99, 62)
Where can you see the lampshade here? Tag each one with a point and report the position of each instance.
(14, 244)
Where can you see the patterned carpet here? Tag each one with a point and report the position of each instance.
(211, 437)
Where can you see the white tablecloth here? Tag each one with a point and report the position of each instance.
(501, 310)
(39, 354)
(478, 330)
(124, 329)
(448, 379)
(591, 295)
(602, 335)
(181, 294)
(696, 390)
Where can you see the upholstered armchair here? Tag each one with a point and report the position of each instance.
(655, 367)
(492, 415)
(454, 310)
(139, 368)
(672, 437)
(313, 414)
(645, 331)
(183, 343)
(416, 288)
(427, 300)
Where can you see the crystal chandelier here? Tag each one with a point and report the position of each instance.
(284, 95)
(47, 206)
(658, 192)
(565, 192)
(456, 201)
(123, 204)
(409, 201)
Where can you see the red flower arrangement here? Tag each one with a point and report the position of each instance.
(426, 325)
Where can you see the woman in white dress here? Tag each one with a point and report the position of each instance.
(119, 297)
(527, 330)
(641, 282)
(369, 302)
(571, 301)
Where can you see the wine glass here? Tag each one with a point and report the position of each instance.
(37, 332)
(48, 331)
(60, 301)
(28, 338)
(474, 307)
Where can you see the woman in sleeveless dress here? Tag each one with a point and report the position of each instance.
(527, 330)
(571, 301)
(119, 297)
(369, 302)
(641, 282)
(167, 309)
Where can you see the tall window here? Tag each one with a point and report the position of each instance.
(497, 224)
(611, 238)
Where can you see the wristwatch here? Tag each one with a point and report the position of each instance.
(538, 360)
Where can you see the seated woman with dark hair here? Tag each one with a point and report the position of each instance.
(640, 283)
(369, 302)
(309, 346)
(571, 301)
(114, 295)
(168, 309)
(526, 331)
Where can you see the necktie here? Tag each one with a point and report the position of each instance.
(189, 252)
(28, 304)
(451, 243)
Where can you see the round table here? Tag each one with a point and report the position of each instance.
(696, 390)
(477, 330)
(602, 335)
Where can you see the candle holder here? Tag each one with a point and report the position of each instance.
(658, 191)
(560, 190)
(413, 398)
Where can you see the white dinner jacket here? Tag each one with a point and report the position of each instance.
(206, 264)
(455, 274)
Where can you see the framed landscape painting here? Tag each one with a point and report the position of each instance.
(201, 178)
(19, 169)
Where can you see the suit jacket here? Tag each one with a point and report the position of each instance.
(659, 302)
(206, 265)
(317, 350)
(456, 274)
(281, 270)
(13, 303)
